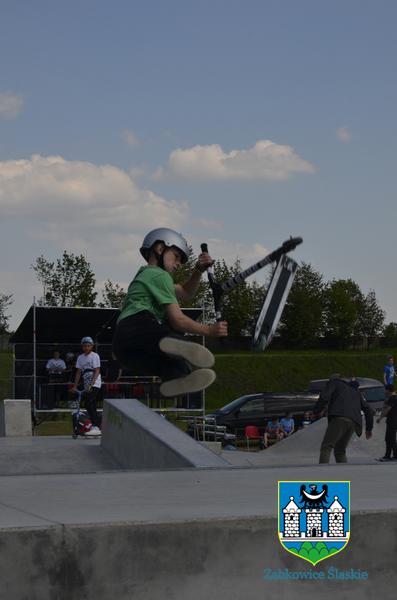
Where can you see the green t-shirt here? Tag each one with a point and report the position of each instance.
(151, 289)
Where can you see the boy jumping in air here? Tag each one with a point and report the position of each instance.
(148, 338)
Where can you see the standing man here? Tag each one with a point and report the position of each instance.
(390, 412)
(88, 365)
(56, 369)
(55, 366)
(389, 371)
(345, 403)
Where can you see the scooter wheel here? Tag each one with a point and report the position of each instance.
(74, 436)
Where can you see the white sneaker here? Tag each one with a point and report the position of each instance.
(194, 382)
(94, 432)
(196, 354)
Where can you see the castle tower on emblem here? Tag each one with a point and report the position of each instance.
(314, 517)
(335, 519)
(291, 519)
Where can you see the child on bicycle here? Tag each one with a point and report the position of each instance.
(88, 366)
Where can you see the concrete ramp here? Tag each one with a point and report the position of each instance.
(138, 438)
(303, 448)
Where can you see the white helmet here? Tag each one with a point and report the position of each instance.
(169, 237)
(87, 340)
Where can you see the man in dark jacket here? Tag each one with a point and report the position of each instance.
(345, 404)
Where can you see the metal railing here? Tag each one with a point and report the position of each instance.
(205, 428)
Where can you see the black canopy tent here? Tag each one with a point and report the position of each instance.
(45, 329)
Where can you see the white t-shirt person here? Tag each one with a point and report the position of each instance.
(87, 363)
(56, 364)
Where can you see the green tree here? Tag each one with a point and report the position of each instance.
(112, 295)
(303, 316)
(371, 318)
(389, 335)
(69, 281)
(344, 303)
(5, 301)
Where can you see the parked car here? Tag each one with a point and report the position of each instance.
(372, 390)
(257, 409)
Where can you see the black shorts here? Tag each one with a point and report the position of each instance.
(136, 346)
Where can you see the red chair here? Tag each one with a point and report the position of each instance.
(251, 432)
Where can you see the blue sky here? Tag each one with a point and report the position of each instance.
(238, 123)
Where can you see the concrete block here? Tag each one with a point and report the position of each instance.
(138, 438)
(15, 418)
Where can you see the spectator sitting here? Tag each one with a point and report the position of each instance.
(273, 432)
(308, 419)
(55, 367)
(287, 425)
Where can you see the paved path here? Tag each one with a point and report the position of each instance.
(164, 496)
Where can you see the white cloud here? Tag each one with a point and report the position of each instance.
(84, 208)
(82, 194)
(130, 138)
(266, 160)
(11, 105)
(343, 134)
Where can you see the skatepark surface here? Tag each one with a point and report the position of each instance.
(303, 448)
(73, 524)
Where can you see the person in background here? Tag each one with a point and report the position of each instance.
(390, 412)
(307, 419)
(389, 371)
(273, 432)
(287, 425)
(88, 366)
(344, 403)
(55, 367)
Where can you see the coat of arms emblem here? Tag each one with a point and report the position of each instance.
(314, 518)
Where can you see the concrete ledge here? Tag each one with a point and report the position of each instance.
(15, 418)
(223, 559)
(138, 438)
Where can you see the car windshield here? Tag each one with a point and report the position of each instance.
(229, 407)
(374, 394)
